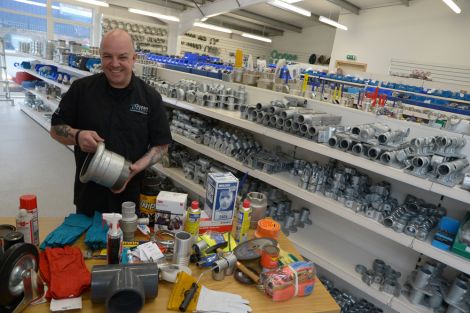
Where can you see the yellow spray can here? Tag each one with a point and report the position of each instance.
(243, 221)
(193, 218)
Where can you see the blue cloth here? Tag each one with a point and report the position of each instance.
(96, 236)
(68, 232)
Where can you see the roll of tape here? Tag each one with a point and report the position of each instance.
(170, 271)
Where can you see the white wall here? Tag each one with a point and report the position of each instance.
(426, 31)
(316, 39)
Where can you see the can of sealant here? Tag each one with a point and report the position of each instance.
(193, 218)
(148, 199)
(243, 221)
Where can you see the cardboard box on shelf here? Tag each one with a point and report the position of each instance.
(170, 210)
(219, 207)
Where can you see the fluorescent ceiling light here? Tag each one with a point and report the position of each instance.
(256, 37)
(156, 15)
(286, 6)
(32, 3)
(205, 18)
(213, 27)
(332, 23)
(453, 6)
(95, 2)
(291, 1)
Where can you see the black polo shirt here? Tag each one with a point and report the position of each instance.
(130, 120)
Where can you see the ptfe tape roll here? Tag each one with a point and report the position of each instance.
(170, 271)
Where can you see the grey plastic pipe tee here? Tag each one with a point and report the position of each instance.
(124, 288)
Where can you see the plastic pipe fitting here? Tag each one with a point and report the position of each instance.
(124, 288)
(105, 168)
(130, 221)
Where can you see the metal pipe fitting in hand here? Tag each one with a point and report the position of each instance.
(105, 168)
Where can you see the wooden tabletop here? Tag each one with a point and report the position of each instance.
(319, 301)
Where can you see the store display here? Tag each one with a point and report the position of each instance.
(124, 295)
(382, 275)
(105, 168)
(347, 302)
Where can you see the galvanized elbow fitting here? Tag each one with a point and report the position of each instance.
(124, 288)
(374, 153)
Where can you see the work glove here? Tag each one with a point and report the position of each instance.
(65, 272)
(96, 235)
(221, 302)
(68, 232)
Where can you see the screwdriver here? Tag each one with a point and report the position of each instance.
(189, 295)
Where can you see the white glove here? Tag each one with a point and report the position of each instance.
(211, 301)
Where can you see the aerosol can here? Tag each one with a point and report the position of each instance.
(114, 238)
(193, 218)
(24, 225)
(243, 221)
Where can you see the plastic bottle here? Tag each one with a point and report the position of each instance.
(243, 221)
(193, 218)
(114, 238)
(30, 204)
(24, 225)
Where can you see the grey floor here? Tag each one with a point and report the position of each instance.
(31, 162)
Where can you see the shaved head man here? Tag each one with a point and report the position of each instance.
(119, 109)
(117, 57)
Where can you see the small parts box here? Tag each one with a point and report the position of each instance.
(170, 210)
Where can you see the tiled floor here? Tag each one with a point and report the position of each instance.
(32, 162)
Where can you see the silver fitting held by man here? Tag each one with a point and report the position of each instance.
(130, 221)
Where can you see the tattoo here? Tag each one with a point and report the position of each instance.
(157, 155)
(62, 130)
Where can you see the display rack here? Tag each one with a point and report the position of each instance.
(38, 117)
(177, 175)
(62, 87)
(233, 118)
(51, 103)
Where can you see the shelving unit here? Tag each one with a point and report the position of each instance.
(62, 87)
(177, 175)
(233, 118)
(51, 103)
(38, 117)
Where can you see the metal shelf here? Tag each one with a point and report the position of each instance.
(286, 182)
(177, 175)
(62, 87)
(53, 104)
(233, 118)
(327, 251)
(64, 68)
(38, 117)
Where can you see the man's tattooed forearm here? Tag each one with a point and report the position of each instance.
(62, 130)
(157, 156)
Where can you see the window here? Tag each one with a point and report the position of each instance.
(72, 32)
(72, 12)
(37, 7)
(22, 22)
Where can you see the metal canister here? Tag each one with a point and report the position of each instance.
(193, 217)
(243, 222)
(259, 204)
(269, 257)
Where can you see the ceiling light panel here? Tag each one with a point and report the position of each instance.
(156, 15)
(247, 35)
(213, 27)
(332, 23)
(289, 7)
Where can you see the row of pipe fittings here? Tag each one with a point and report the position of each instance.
(289, 218)
(381, 275)
(290, 115)
(427, 287)
(347, 302)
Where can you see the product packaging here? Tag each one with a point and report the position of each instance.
(221, 195)
(288, 281)
(170, 210)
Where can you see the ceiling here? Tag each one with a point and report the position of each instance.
(265, 19)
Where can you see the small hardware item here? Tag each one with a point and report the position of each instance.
(267, 228)
(269, 257)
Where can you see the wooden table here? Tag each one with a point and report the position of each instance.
(319, 301)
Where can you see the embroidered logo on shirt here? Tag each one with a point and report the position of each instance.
(142, 109)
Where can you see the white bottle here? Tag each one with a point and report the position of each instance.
(24, 225)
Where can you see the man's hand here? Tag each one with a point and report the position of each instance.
(88, 140)
(150, 158)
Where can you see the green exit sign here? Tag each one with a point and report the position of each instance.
(351, 57)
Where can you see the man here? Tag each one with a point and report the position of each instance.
(116, 108)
